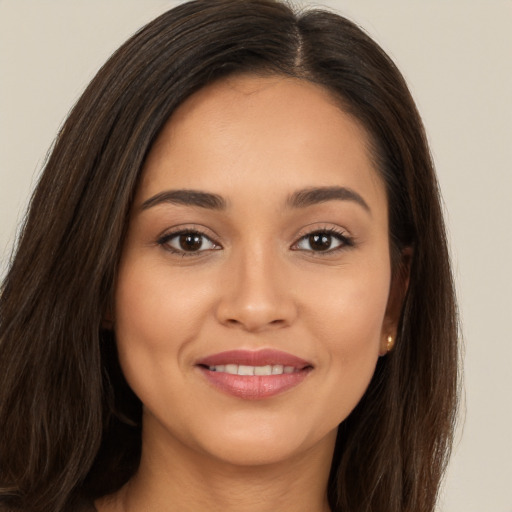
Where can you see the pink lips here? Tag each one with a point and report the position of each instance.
(254, 387)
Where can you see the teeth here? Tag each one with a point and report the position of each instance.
(263, 370)
(231, 368)
(242, 369)
(245, 370)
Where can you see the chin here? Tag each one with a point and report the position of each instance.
(255, 452)
(258, 442)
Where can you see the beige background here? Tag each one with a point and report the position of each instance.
(456, 55)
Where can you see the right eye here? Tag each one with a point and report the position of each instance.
(187, 243)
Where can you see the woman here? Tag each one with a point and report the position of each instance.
(232, 290)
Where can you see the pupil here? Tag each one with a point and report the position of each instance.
(190, 242)
(320, 242)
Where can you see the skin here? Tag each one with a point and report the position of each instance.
(258, 283)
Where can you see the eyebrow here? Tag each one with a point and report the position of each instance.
(311, 196)
(299, 199)
(187, 198)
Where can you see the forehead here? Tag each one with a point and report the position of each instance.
(260, 131)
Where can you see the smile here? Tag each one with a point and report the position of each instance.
(241, 369)
(254, 375)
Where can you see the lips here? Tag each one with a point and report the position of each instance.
(255, 358)
(254, 375)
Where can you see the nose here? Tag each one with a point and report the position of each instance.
(255, 294)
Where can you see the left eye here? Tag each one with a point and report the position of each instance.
(188, 242)
(322, 241)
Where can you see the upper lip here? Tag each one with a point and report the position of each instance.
(262, 357)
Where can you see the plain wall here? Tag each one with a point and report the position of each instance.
(456, 56)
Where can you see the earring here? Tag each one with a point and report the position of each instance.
(389, 343)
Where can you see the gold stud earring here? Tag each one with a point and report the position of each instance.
(389, 343)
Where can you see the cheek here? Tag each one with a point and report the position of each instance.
(155, 306)
(346, 320)
(348, 308)
(155, 319)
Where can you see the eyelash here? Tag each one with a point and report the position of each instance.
(345, 241)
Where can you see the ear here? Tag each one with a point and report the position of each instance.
(397, 292)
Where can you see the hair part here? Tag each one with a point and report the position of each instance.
(70, 424)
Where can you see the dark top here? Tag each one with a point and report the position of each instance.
(80, 505)
(83, 505)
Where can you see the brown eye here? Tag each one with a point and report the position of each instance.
(320, 241)
(190, 241)
(187, 242)
(323, 241)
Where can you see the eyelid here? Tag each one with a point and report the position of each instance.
(189, 228)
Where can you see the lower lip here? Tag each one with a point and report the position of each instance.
(255, 387)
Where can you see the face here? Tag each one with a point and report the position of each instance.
(252, 298)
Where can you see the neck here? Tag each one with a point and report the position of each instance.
(173, 476)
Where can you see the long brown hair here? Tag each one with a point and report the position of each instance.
(69, 423)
